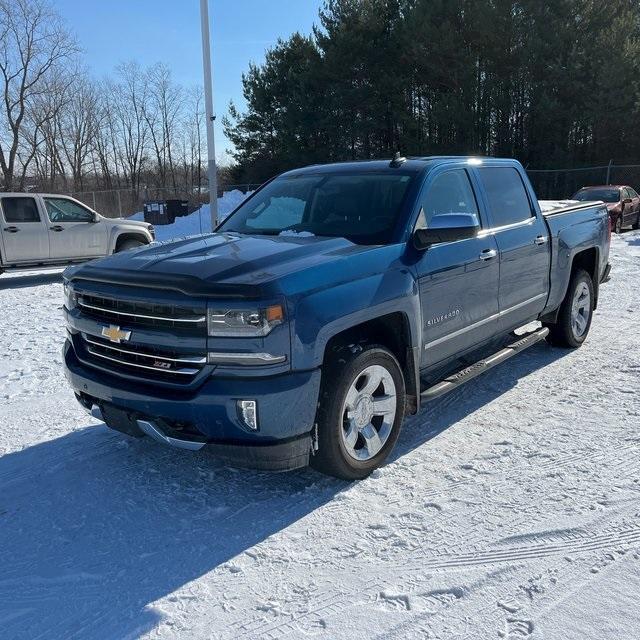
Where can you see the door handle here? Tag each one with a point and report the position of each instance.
(487, 254)
(12, 229)
(56, 227)
(541, 240)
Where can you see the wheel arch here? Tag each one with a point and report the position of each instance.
(589, 260)
(393, 331)
(128, 235)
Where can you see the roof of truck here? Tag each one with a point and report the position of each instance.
(413, 164)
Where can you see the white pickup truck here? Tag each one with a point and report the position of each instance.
(48, 229)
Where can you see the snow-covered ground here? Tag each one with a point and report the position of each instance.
(510, 508)
(199, 221)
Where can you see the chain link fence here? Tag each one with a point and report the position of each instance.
(558, 184)
(121, 203)
(549, 184)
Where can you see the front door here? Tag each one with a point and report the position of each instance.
(75, 231)
(523, 243)
(458, 280)
(25, 236)
(630, 206)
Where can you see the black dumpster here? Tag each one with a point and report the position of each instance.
(177, 208)
(155, 212)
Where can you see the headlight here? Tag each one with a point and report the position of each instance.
(70, 296)
(243, 323)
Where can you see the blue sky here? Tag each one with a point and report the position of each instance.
(162, 31)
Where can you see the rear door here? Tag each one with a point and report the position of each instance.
(523, 243)
(25, 234)
(458, 280)
(75, 231)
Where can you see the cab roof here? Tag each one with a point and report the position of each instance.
(408, 165)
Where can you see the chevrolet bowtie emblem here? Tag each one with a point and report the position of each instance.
(115, 333)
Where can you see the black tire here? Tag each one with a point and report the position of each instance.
(563, 333)
(345, 369)
(131, 243)
(636, 224)
(618, 225)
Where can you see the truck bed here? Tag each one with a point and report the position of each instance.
(554, 207)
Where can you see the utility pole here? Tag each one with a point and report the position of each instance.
(208, 106)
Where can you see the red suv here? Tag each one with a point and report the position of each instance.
(622, 201)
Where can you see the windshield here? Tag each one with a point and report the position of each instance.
(606, 195)
(361, 207)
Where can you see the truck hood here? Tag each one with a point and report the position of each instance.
(220, 262)
(126, 222)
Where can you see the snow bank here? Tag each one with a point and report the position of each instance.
(199, 221)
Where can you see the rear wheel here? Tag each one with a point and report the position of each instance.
(574, 319)
(362, 404)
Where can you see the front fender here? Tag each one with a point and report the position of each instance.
(117, 231)
(323, 314)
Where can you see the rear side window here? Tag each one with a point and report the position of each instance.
(20, 210)
(507, 196)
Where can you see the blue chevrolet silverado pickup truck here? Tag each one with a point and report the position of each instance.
(330, 304)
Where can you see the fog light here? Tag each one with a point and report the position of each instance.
(248, 410)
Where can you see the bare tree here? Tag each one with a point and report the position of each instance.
(33, 42)
(162, 109)
(78, 124)
(128, 98)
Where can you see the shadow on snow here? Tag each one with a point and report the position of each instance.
(94, 527)
(32, 280)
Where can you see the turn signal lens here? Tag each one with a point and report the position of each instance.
(275, 313)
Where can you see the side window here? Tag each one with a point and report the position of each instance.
(18, 210)
(632, 193)
(450, 192)
(63, 210)
(508, 200)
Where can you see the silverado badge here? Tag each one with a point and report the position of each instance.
(115, 333)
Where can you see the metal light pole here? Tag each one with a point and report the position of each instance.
(208, 106)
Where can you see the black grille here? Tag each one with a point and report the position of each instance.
(123, 312)
(143, 361)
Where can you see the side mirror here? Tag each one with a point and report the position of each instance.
(95, 218)
(447, 227)
(627, 201)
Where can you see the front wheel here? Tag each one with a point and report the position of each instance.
(125, 245)
(574, 319)
(636, 224)
(618, 226)
(362, 404)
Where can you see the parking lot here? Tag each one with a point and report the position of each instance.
(509, 508)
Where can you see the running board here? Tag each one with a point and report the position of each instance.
(472, 371)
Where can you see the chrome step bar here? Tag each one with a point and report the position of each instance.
(472, 371)
(153, 431)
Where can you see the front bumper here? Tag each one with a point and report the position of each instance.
(286, 411)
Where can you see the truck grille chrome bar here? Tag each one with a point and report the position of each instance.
(142, 313)
(183, 360)
(156, 365)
